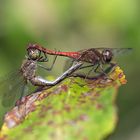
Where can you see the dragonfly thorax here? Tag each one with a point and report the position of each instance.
(91, 56)
(28, 69)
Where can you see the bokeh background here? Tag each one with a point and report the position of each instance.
(71, 25)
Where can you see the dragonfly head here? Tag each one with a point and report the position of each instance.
(107, 56)
(33, 53)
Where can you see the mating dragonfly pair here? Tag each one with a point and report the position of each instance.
(95, 57)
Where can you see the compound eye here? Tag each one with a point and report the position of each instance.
(107, 56)
(33, 54)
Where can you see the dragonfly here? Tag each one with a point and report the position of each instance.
(96, 57)
(14, 87)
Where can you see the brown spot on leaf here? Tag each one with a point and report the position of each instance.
(99, 106)
(83, 117)
(3, 138)
(50, 122)
(67, 108)
(64, 88)
(28, 130)
(56, 112)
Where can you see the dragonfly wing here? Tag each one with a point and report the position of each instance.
(120, 51)
(68, 64)
(116, 51)
(10, 89)
(9, 76)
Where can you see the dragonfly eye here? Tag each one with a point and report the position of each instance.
(34, 54)
(107, 56)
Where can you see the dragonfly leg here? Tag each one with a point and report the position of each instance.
(89, 72)
(110, 68)
(43, 59)
(48, 69)
(95, 70)
(39, 81)
(86, 75)
(107, 70)
(102, 71)
(86, 66)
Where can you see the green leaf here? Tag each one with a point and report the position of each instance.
(76, 109)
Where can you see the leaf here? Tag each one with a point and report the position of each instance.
(76, 109)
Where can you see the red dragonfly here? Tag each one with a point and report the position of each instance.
(94, 56)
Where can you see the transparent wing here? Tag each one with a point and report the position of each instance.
(120, 51)
(10, 89)
(68, 63)
(8, 76)
(115, 51)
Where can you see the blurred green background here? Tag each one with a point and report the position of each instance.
(71, 25)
